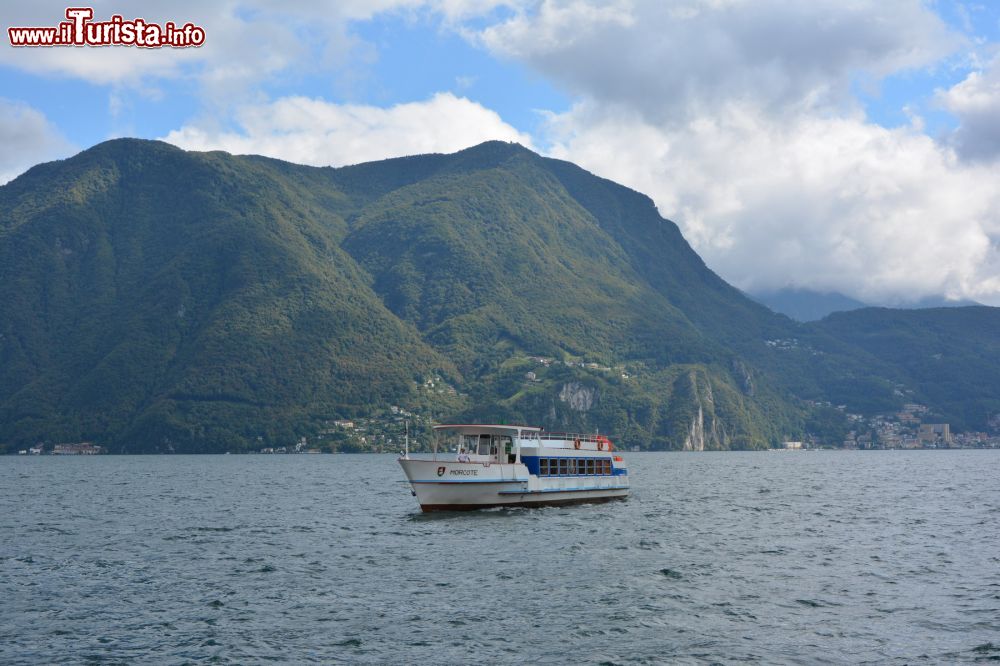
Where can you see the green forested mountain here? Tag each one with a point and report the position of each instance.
(153, 299)
(157, 299)
(948, 357)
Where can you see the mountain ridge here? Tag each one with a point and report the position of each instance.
(805, 305)
(155, 299)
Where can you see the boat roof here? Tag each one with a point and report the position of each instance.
(486, 428)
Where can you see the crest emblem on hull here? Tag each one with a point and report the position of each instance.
(440, 471)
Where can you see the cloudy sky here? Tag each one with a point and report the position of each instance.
(836, 145)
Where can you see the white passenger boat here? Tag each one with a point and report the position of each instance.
(514, 465)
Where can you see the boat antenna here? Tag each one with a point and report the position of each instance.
(406, 441)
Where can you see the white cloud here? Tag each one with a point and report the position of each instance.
(27, 138)
(976, 103)
(556, 27)
(455, 11)
(671, 60)
(312, 131)
(826, 203)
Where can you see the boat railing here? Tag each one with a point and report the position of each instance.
(565, 436)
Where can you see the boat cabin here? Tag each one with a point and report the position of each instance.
(484, 443)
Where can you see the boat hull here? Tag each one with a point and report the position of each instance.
(529, 501)
(457, 486)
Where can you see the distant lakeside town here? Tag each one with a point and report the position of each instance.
(905, 429)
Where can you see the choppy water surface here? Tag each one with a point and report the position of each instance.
(800, 557)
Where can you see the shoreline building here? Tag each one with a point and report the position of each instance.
(935, 434)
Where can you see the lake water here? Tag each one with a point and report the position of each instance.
(797, 557)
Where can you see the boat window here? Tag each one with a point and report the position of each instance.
(563, 466)
(484, 445)
(470, 443)
(605, 467)
(543, 467)
(590, 466)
